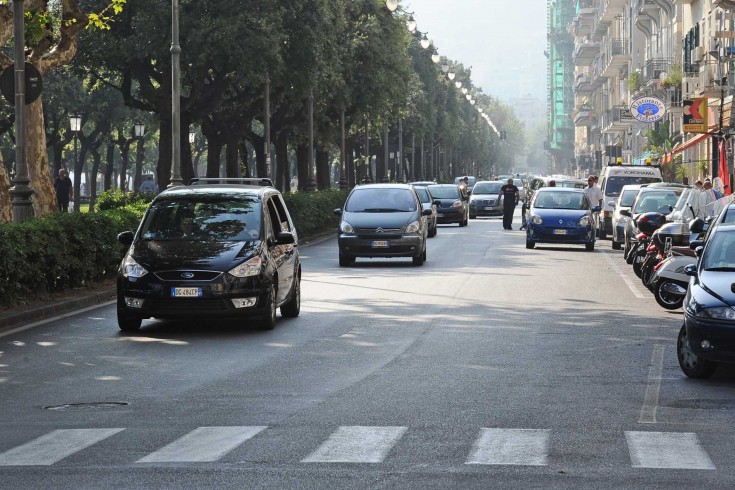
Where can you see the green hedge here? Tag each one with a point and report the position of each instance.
(63, 251)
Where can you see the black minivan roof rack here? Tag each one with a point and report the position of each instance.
(260, 181)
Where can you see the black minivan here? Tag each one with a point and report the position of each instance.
(211, 251)
(382, 220)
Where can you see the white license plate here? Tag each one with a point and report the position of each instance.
(381, 243)
(186, 292)
(488, 208)
(440, 215)
(560, 232)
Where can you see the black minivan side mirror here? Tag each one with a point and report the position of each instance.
(286, 238)
(690, 270)
(695, 244)
(338, 211)
(126, 237)
(699, 251)
(427, 212)
(437, 202)
(625, 212)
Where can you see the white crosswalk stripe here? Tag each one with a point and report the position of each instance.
(54, 446)
(525, 447)
(205, 444)
(357, 444)
(671, 450)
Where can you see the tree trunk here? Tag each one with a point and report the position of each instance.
(302, 165)
(259, 147)
(187, 167)
(232, 162)
(214, 150)
(243, 158)
(350, 163)
(140, 151)
(92, 182)
(165, 151)
(110, 165)
(39, 169)
(6, 207)
(283, 178)
(323, 180)
(78, 172)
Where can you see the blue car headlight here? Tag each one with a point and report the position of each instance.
(536, 219)
(584, 221)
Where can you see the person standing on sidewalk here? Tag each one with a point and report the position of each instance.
(64, 190)
(509, 193)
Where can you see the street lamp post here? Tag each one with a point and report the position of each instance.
(175, 97)
(399, 160)
(21, 190)
(343, 184)
(310, 182)
(75, 123)
(386, 155)
(267, 102)
(192, 140)
(138, 134)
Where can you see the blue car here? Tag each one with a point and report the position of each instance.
(560, 215)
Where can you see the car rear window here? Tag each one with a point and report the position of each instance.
(441, 192)
(613, 185)
(628, 197)
(203, 218)
(378, 200)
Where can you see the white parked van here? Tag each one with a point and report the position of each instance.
(612, 180)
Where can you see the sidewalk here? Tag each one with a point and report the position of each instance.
(76, 299)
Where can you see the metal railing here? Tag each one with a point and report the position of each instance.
(653, 69)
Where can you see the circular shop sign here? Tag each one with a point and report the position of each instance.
(647, 109)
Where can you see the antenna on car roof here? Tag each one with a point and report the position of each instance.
(259, 181)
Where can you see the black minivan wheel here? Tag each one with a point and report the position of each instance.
(269, 315)
(691, 364)
(128, 323)
(292, 307)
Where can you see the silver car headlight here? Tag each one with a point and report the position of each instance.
(718, 313)
(536, 220)
(412, 227)
(130, 268)
(248, 268)
(345, 227)
(584, 221)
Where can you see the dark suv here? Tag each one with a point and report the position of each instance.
(208, 251)
(453, 204)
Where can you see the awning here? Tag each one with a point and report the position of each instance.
(685, 146)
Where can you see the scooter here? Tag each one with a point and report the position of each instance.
(670, 282)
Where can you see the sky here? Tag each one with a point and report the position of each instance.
(502, 40)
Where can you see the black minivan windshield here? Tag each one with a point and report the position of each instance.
(203, 218)
(377, 200)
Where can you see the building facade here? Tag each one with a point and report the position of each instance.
(560, 100)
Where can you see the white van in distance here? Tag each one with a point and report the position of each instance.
(612, 180)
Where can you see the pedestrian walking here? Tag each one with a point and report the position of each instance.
(595, 198)
(64, 190)
(148, 186)
(509, 193)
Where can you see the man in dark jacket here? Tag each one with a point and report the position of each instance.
(509, 193)
(64, 190)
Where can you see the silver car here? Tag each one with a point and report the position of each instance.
(625, 200)
(484, 200)
(427, 201)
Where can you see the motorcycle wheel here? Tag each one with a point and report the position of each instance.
(638, 263)
(664, 299)
(647, 271)
(691, 364)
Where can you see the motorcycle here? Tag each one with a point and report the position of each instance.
(647, 224)
(663, 239)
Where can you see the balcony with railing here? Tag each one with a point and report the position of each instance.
(585, 52)
(583, 85)
(597, 68)
(584, 116)
(617, 119)
(584, 16)
(653, 69)
(618, 55)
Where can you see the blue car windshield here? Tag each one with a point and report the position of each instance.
(203, 219)
(720, 252)
(376, 200)
(560, 200)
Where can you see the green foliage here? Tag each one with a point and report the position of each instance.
(313, 212)
(674, 77)
(115, 198)
(634, 81)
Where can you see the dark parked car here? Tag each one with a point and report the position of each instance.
(383, 220)
(560, 215)
(453, 207)
(210, 251)
(708, 334)
(484, 200)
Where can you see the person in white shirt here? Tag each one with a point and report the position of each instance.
(595, 198)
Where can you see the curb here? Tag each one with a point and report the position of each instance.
(83, 298)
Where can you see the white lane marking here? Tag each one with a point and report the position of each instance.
(650, 400)
(204, 444)
(670, 450)
(527, 447)
(357, 444)
(54, 446)
(625, 278)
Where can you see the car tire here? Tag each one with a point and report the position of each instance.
(432, 231)
(530, 244)
(603, 233)
(419, 260)
(345, 260)
(128, 323)
(473, 216)
(665, 300)
(292, 307)
(616, 245)
(269, 316)
(590, 247)
(691, 364)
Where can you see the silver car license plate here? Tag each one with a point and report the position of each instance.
(186, 292)
(381, 243)
(560, 232)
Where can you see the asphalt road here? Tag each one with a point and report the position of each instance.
(491, 366)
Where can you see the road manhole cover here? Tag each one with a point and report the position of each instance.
(86, 406)
(704, 404)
